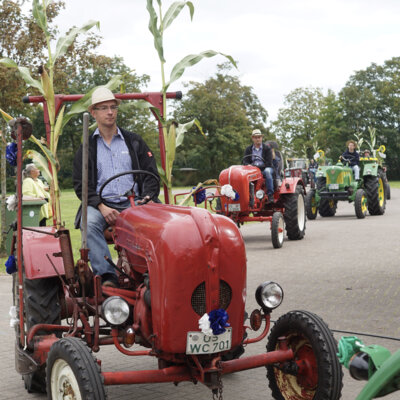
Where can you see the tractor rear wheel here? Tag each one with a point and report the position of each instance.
(41, 306)
(375, 189)
(315, 372)
(295, 214)
(72, 371)
(311, 205)
(277, 230)
(360, 204)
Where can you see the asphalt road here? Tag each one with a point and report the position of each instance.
(345, 270)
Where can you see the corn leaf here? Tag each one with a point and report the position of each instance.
(24, 72)
(174, 10)
(65, 41)
(155, 30)
(44, 149)
(183, 128)
(6, 117)
(58, 127)
(41, 164)
(39, 13)
(163, 177)
(47, 85)
(192, 59)
(170, 149)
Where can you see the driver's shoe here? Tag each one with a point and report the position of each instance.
(110, 280)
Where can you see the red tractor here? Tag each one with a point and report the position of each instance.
(181, 299)
(241, 196)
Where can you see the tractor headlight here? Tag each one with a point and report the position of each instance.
(115, 310)
(269, 295)
(260, 194)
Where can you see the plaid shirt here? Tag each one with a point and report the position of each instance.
(113, 159)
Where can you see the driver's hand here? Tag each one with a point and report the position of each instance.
(109, 214)
(146, 199)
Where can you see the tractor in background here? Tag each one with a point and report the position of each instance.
(336, 183)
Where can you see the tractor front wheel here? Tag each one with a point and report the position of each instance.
(72, 372)
(360, 204)
(295, 214)
(315, 372)
(311, 205)
(375, 189)
(277, 230)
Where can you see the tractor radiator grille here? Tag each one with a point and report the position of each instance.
(199, 297)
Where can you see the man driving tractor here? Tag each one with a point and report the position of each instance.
(261, 155)
(352, 156)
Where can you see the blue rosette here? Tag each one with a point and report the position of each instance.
(11, 154)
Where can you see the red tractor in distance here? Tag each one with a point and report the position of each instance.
(241, 196)
(181, 299)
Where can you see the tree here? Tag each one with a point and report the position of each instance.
(227, 111)
(371, 98)
(297, 123)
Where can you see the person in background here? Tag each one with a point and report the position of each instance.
(313, 167)
(353, 158)
(112, 150)
(367, 153)
(33, 187)
(262, 157)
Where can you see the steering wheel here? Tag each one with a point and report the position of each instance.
(345, 160)
(253, 155)
(135, 173)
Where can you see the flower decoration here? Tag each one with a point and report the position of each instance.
(228, 191)
(199, 195)
(214, 323)
(11, 202)
(11, 265)
(11, 153)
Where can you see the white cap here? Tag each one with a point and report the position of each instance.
(102, 94)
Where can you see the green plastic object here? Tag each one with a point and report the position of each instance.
(30, 217)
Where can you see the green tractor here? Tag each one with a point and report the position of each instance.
(336, 182)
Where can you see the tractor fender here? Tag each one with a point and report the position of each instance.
(370, 169)
(289, 185)
(36, 246)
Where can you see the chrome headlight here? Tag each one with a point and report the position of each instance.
(115, 310)
(269, 295)
(260, 194)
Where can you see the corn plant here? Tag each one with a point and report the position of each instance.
(49, 164)
(173, 132)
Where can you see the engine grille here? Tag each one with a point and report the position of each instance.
(199, 297)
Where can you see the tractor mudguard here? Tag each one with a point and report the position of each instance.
(289, 185)
(196, 263)
(370, 169)
(36, 247)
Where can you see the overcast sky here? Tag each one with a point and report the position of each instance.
(279, 45)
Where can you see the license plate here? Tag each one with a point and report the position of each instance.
(199, 343)
(233, 207)
(334, 186)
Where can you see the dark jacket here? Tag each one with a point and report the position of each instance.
(142, 158)
(354, 157)
(266, 155)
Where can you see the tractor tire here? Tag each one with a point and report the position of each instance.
(310, 339)
(387, 191)
(327, 208)
(311, 206)
(375, 189)
(277, 230)
(73, 372)
(41, 306)
(360, 204)
(295, 214)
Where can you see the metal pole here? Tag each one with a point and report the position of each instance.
(85, 170)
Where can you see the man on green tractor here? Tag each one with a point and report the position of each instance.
(352, 157)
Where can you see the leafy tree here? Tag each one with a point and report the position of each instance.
(297, 123)
(227, 111)
(371, 98)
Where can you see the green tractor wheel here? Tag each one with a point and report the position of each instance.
(361, 204)
(311, 205)
(375, 189)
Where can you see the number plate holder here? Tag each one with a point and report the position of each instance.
(333, 186)
(234, 207)
(199, 343)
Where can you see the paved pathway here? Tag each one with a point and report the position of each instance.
(345, 270)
